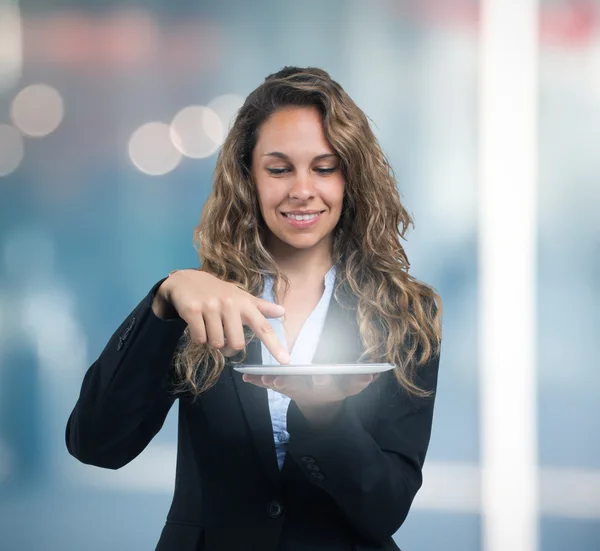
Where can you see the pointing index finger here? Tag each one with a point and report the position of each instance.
(265, 333)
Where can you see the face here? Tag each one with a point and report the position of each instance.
(298, 179)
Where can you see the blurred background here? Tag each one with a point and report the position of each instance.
(111, 113)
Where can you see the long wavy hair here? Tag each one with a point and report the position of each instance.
(399, 317)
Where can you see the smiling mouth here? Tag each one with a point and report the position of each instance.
(303, 217)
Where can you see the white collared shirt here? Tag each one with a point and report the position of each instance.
(303, 352)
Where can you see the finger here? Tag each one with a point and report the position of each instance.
(363, 378)
(197, 330)
(263, 381)
(290, 384)
(322, 382)
(214, 327)
(268, 380)
(268, 309)
(355, 384)
(234, 330)
(229, 351)
(253, 379)
(250, 378)
(265, 333)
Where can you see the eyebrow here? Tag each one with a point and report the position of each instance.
(280, 155)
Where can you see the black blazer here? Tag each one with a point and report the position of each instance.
(348, 486)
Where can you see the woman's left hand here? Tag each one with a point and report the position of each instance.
(313, 390)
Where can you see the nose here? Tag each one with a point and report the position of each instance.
(303, 188)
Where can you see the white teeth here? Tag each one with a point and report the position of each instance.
(302, 216)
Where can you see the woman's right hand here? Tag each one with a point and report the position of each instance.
(216, 312)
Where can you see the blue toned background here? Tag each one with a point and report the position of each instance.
(97, 202)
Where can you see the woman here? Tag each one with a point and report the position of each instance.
(299, 242)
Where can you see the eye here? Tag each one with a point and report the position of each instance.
(325, 170)
(277, 171)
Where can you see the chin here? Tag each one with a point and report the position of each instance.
(304, 246)
(300, 243)
(298, 240)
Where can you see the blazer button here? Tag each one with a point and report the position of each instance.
(307, 459)
(312, 467)
(275, 509)
(318, 476)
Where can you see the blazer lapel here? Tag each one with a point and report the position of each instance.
(255, 403)
(339, 343)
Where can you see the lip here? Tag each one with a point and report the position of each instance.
(303, 212)
(301, 224)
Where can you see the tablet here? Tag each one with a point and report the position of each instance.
(314, 369)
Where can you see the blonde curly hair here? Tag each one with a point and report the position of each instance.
(399, 317)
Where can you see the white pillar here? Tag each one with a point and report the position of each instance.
(507, 259)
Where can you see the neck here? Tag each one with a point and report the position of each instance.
(303, 266)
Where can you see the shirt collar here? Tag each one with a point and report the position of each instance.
(330, 277)
(329, 281)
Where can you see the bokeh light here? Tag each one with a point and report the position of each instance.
(151, 149)
(37, 110)
(197, 131)
(226, 107)
(11, 149)
(11, 52)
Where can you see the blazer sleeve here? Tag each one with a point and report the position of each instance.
(372, 475)
(126, 393)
